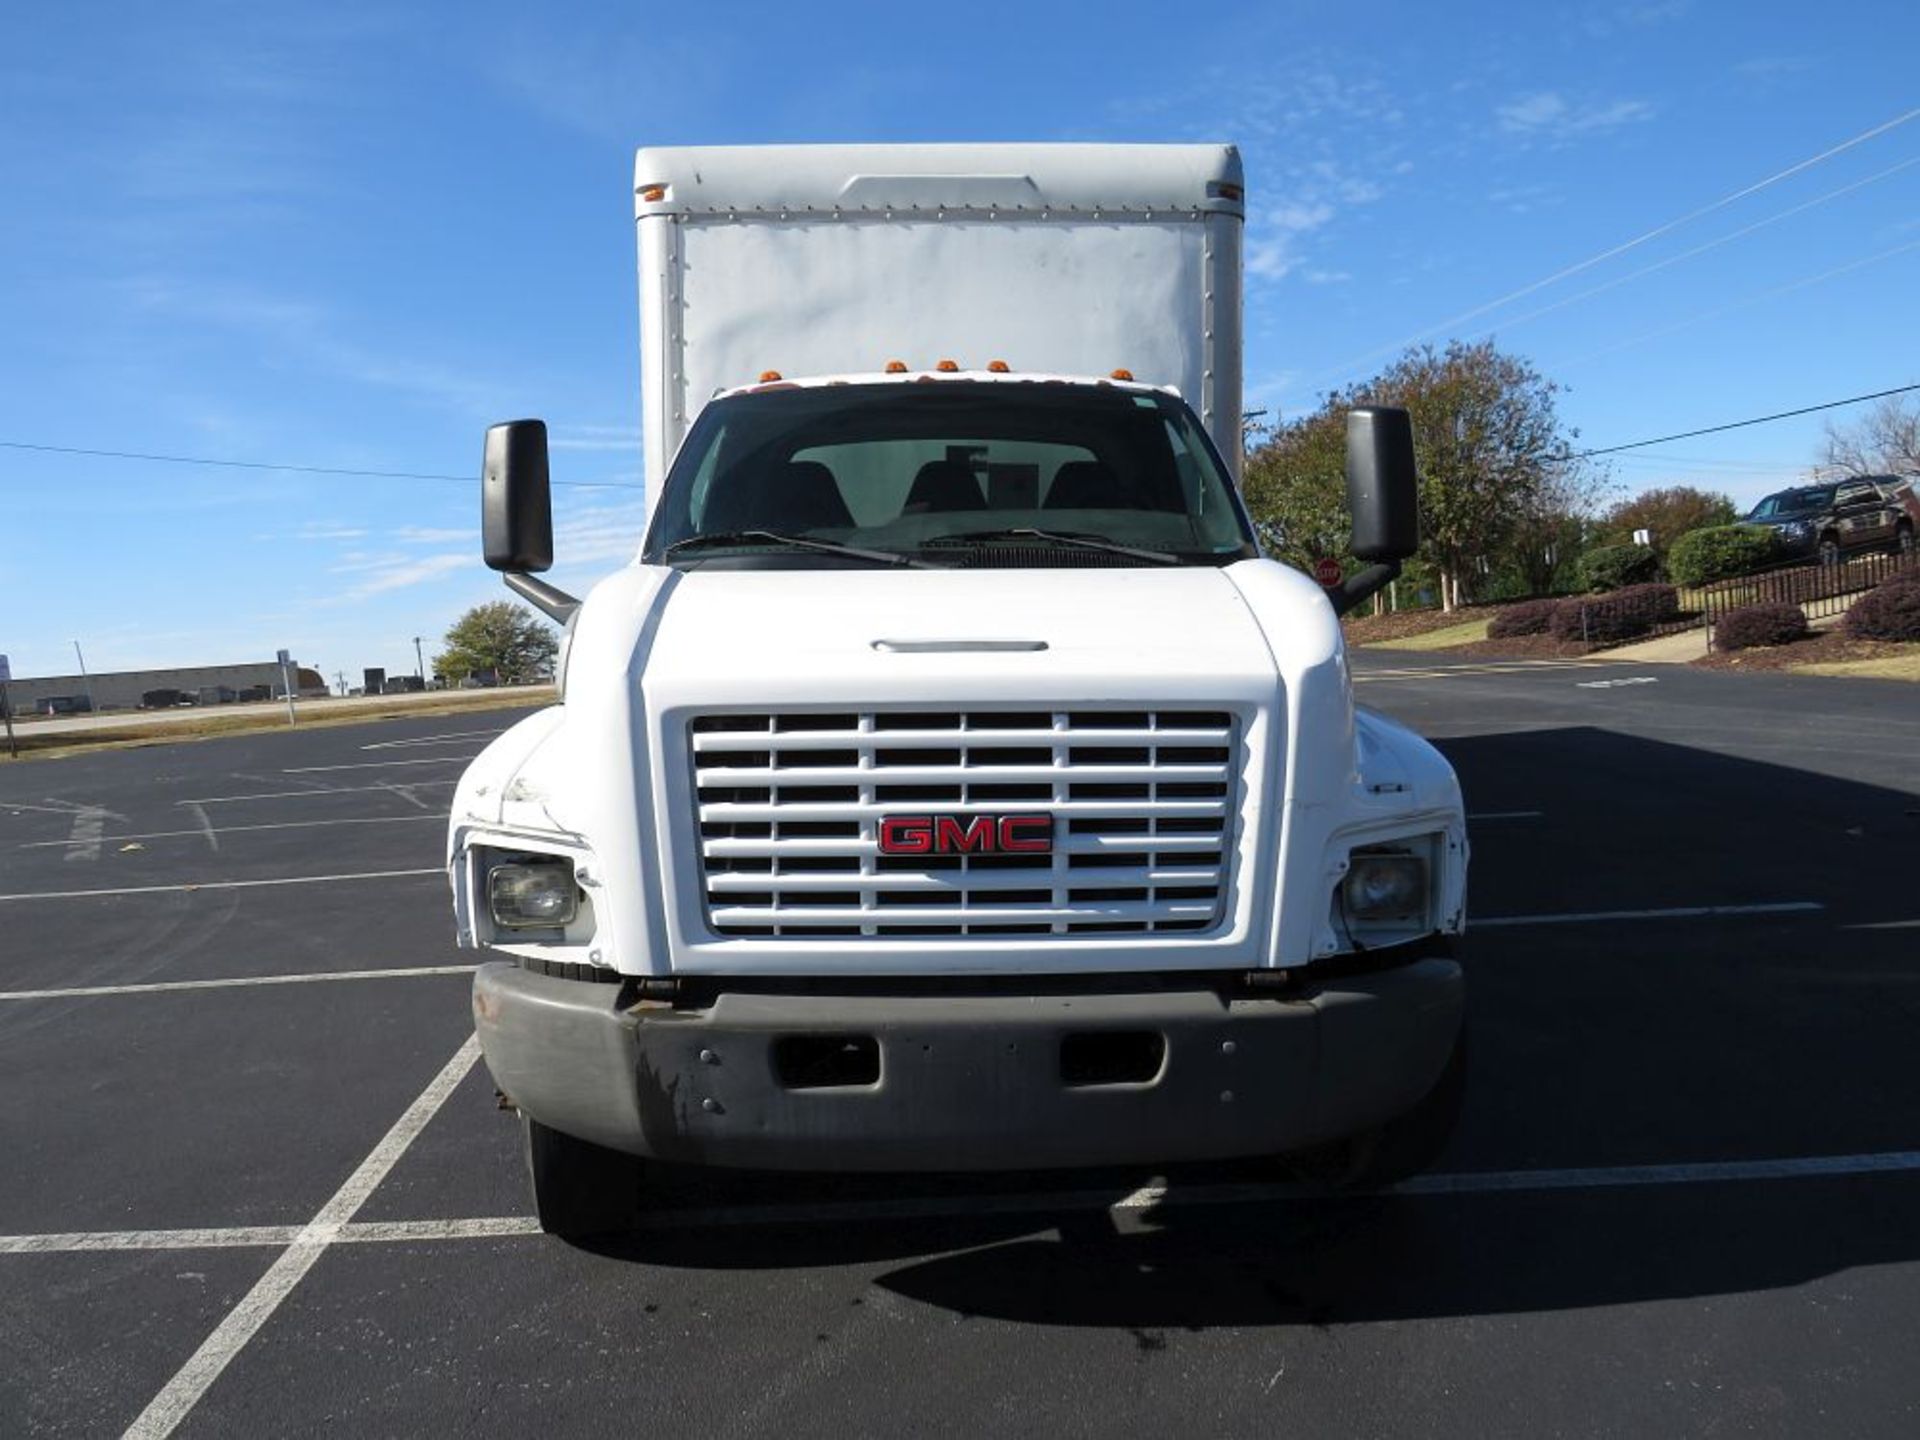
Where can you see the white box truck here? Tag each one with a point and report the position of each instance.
(950, 783)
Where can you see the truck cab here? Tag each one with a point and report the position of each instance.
(951, 783)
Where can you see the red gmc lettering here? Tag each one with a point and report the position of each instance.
(966, 834)
(1026, 834)
(950, 835)
(906, 834)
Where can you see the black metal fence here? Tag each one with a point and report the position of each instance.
(1626, 617)
(1819, 590)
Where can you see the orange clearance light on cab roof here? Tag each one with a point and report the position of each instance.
(1121, 375)
(653, 192)
(948, 367)
(896, 367)
(767, 377)
(996, 367)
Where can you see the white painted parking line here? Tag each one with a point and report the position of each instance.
(1678, 912)
(308, 794)
(89, 824)
(14, 807)
(1505, 814)
(1448, 672)
(1613, 684)
(228, 1238)
(490, 1227)
(950, 1206)
(237, 982)
(223, 885)
(378, 764)
(206, 828)
(183, 1392)
(209, 831)
(447, 739)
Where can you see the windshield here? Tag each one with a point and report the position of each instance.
(1793, 502)
(976, 473)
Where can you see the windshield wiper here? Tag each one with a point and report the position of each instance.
(1058, 537)
(798, 542)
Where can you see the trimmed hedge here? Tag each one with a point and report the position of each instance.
(1613, 567)
(1529, 617)
(1889, 611)
(1720, 552)
(1602, 619)
(1759, 625)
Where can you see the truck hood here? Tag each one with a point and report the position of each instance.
(757, 636)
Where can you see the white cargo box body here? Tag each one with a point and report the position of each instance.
(834, 259)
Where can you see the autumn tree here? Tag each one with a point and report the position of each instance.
(1884, 441)
(1492, 455)
(1668, 512)
(503, 640)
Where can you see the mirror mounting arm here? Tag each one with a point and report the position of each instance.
(548, 599)
(1362, 585)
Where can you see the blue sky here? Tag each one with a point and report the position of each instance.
(352, 235)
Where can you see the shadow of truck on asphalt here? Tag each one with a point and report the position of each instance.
(1610, 1043)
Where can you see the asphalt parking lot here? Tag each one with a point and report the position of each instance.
(255, 1182)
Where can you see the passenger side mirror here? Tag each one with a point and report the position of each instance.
(516, 506)
(1383, 491)
(516, 513)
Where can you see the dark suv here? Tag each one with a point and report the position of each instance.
(1859, 513)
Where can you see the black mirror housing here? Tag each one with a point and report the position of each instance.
(516, 505)
(1383, 490)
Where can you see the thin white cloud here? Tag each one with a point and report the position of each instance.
(594, 437)
(1639, 16)
(598, 534)
(430, 535)
(1547, 114)
(386, 573)
(1274, 251)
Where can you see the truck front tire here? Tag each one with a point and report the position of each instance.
(580, 1188)
(1401, 1148)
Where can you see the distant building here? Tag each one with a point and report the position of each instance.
(128, 689)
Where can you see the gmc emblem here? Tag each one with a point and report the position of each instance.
(966, 835)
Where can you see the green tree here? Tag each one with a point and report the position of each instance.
(1497, 469)
(503, 640)
(1668, 512)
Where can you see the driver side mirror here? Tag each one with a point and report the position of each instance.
(516, 506)
(516, 514)
(1383, 491)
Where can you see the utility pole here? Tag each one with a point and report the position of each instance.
(85, 679)
(6, 705)
(419, 665)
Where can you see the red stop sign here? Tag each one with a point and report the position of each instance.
(1327, 572)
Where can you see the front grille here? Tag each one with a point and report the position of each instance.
(789, 807)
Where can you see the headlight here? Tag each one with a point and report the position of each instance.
(532, 896)
(1386, 887)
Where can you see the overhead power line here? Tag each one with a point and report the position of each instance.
(1742, 424)
(1620, 249)
(290, 469)
(1507, 324)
